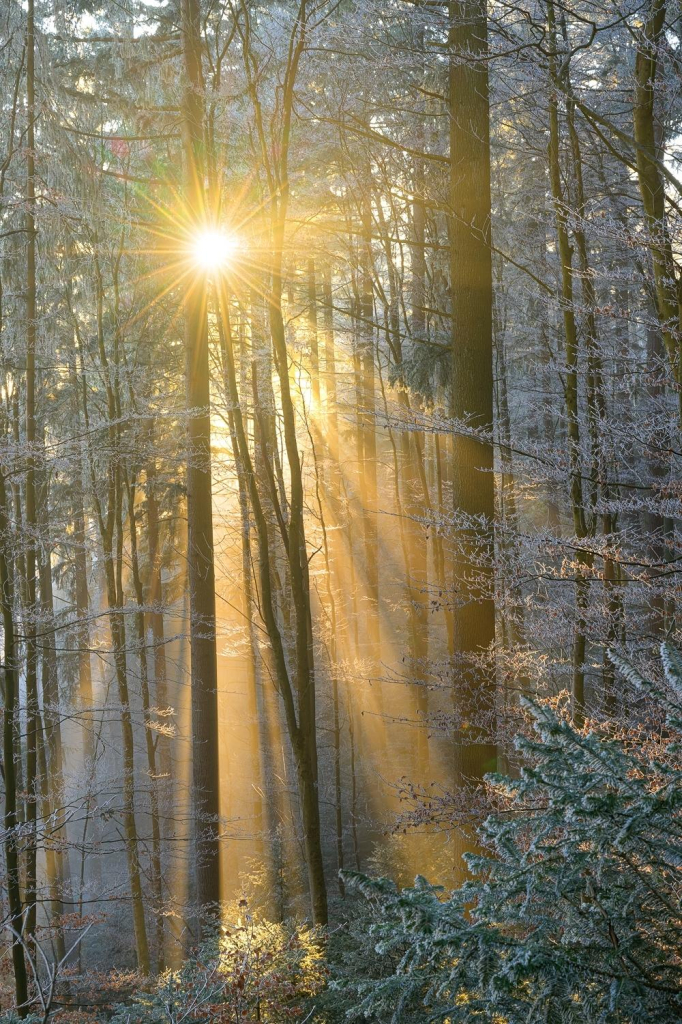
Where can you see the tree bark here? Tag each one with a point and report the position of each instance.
(200, 556)
(652, 186)
(571, 380)
(32, 708)
(472, 388)
(9, 753)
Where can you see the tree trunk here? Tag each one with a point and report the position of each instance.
(110, 523)
(9, 754)
(150, 742)
(298, 706)
(472, 389)
(201, 569)
(652, 186)
(32, 708)
(367, 466)
(571, 383)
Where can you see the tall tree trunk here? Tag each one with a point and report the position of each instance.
(50, 757)
(264, 811)
(9, 754)
(110, 523)
(335, 555)
(88, 719)
(314, 345)
(415, 500)
(652, 186)
(156, 611)
(472, 388)
(305, 740)
(150, 742)
(302, 728)
(571, 381)
(118, 643)
(268, 478)
(367, 412)
(596, 397)
(298, 706)
(200, 557)
(52, 839)
(32, 707)
(327, 482)
(85, 692)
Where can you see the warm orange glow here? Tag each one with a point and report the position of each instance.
(213, 249)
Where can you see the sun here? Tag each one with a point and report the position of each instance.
(213, 249)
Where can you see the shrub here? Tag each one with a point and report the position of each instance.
(254, 971)
(573, 910)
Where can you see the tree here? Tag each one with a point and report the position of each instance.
(471, 404)
(206, 785)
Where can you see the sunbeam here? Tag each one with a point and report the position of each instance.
(214, 249)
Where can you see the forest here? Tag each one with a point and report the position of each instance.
(341, 511)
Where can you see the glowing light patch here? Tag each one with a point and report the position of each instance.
(213, 250)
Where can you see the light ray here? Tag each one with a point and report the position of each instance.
(214, 249)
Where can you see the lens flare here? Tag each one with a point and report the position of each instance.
(213, 250)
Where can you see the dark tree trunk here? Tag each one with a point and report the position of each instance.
(472, 388)
(32, 708)
(201, 570)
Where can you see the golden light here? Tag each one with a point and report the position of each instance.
(213, 249)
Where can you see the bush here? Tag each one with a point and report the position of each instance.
(573, 911)
(255, 971)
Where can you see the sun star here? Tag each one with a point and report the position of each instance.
(213, 249)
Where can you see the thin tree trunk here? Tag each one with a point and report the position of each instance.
(110, 523)
(150, 743)
(90, 729)
(331, 492)
(571, 384)
(32, 708)
(368, 465)
(297, 707)
(118, 642)
(50, 759)
(596, 399)
(652, 186)
(9, 754)
(156, 611)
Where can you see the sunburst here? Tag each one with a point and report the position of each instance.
(214, 249)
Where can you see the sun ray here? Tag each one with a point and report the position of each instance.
(214, 249)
